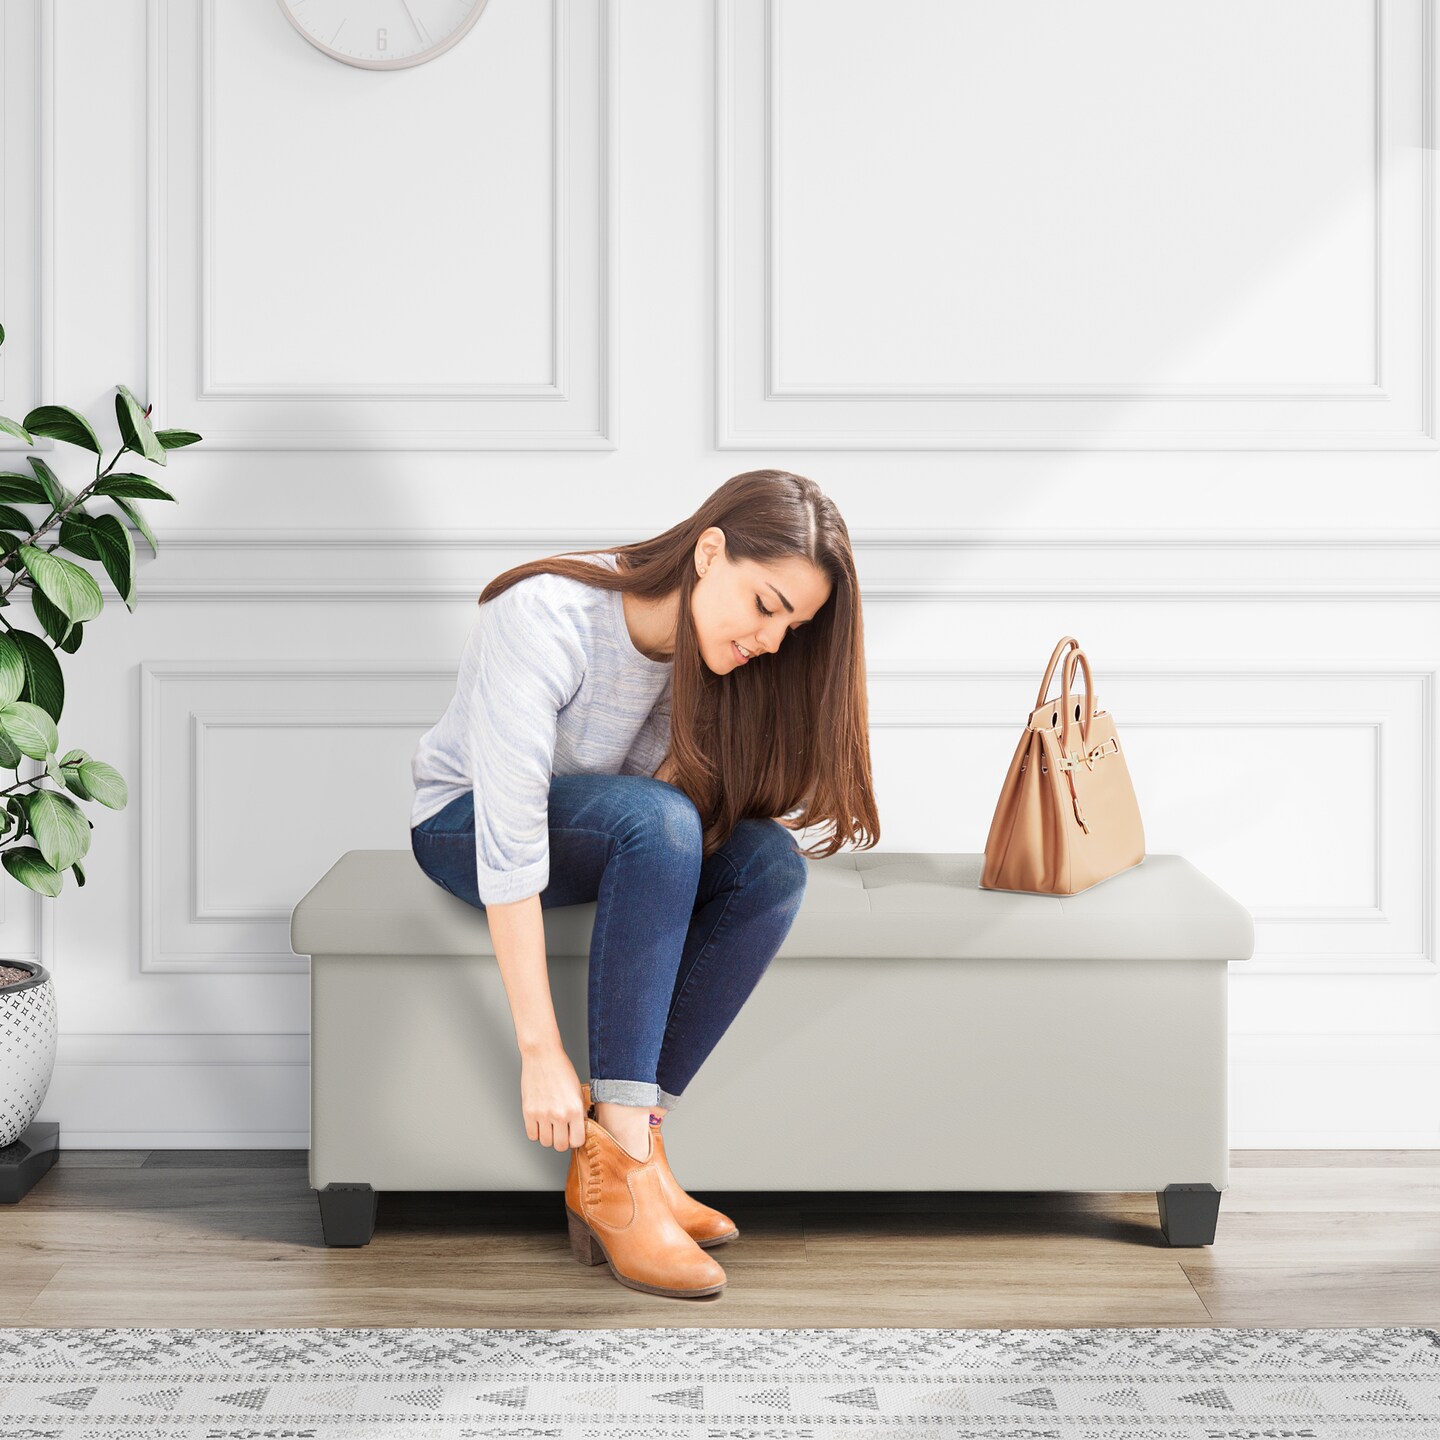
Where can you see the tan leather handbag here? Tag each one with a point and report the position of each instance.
(1067, 817)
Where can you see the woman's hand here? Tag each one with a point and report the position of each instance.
(550, 1098)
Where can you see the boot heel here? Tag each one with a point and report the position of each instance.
(583, 1245)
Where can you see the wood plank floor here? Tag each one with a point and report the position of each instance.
(232, 1239)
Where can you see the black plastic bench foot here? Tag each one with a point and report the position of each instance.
(347, 1213)
(1188, 1213)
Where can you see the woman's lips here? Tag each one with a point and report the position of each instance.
(744, 660)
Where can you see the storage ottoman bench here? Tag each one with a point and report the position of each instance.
(914, 1032)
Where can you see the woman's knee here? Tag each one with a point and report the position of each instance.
(670, 815)
(797, 866)
(776, 852)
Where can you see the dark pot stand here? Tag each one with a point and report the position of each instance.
(24, 1162)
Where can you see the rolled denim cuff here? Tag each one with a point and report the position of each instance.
(625, 1092)
(668, 1100)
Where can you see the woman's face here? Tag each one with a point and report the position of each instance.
(729, 595)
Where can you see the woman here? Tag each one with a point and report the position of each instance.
(642, 727)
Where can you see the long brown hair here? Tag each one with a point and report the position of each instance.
(765, 738)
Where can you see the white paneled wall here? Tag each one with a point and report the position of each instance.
(1113, 320)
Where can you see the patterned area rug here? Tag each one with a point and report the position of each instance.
(721, 1384)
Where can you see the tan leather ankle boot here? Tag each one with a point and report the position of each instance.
(618, 1215)
(703, 1225)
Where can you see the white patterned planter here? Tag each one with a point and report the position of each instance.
(27, 1047)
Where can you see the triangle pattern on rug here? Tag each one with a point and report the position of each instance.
(771, 1399)
(422, 1399)
(600, 1397)
(1042, 1397)
(865, 1398)
(949, 1399)
(166, 1399)
(246, 1399)
(515, 1398)
(1216, 1399)
(74, 1399)
(694, 1398)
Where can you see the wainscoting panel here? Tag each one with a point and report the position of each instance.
(268, 159)
(1012, 227)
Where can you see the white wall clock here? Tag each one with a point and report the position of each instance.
(382, 34)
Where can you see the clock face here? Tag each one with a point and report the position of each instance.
(382, 34)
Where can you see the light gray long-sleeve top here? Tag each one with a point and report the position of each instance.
(550, 683)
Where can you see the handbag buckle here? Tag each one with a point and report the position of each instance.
(1108, 746)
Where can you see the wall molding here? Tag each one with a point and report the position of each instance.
(1259, 581)
(763, 394)
(934, 390)
(552, 541)
(432, 437)
(251, 590)
(555, 388)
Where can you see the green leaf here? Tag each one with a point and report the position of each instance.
(117, 555)
(27, 865)
(10, 756)
(174, 439)
(13, 427)
(12, 670)
(72, 590)
(72, 780)
(29, 728)
(105, 784)
(24, 488)
(44, 682)
(79, 873)
(74, 757)
(52, 620)
(56, 495)
(12, 519)
(10, 549)
(137, 487)
(138, 520)
(75, 535)
(135, 428)
(61, 830)
(71, 643)
(61, 423)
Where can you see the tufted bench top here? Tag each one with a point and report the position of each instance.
(866, 904)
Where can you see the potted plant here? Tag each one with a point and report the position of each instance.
(43, 831)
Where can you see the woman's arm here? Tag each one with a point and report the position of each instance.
(550, 1099)
(518, 933)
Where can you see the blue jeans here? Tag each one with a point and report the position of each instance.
(678, 943)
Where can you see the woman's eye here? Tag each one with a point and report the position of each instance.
(768, 613)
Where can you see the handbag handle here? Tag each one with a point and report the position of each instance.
(1050, 668)
(1079, 658)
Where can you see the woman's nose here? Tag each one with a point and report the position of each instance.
(771, 639)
